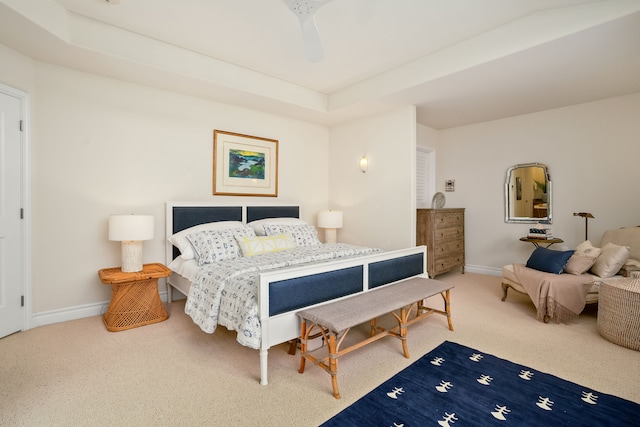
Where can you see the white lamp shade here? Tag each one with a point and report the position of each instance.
(131, 227)
(330, 219)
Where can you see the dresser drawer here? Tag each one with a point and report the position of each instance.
(445, 264)
(449, 219)
(448, 248)
(442, 235)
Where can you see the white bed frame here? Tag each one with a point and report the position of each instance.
(285, 326)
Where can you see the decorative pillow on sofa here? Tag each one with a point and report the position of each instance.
(579, 264)
(587, 249)
(251, 246)
(549, 261)
(611, 260)
(583, 258)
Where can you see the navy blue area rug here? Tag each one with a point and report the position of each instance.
(456, 386)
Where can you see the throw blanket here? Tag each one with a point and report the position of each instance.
(561, 297)
(226, 292)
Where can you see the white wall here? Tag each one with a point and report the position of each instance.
(592, 152)
(102, 146)
(379, 205)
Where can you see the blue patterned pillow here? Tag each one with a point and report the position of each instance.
(549, 261)
(303, 235)
(217, 245)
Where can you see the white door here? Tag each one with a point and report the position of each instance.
(425, 177)
(10, 216)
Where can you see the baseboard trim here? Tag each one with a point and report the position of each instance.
(489, 271)
(73, 313)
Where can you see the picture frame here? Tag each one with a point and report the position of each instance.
(244, 165)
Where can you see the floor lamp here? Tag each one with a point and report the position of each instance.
(586, 216)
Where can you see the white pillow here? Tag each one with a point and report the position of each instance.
(611, 260)
(303, 235)
(587, 249)
(179, 240)
(251, 246)
(217, 245)
(259, 225)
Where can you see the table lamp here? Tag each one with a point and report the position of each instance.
(330, 221)
(131, 230)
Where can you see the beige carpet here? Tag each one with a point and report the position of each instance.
(172, 374)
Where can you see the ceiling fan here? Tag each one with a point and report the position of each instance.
(305, 10)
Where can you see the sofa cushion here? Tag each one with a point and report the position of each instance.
(583, 258)
(627, 236)
(548, 260)
(611, 260)
(579, 264)
(587, 249)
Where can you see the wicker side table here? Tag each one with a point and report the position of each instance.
(134, 297)
(619, 311)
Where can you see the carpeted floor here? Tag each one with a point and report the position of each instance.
(170, 373)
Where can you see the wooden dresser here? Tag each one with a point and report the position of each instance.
(442, 232)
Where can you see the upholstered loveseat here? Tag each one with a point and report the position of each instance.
(561, 283)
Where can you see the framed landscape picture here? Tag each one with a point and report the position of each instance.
(244, 165)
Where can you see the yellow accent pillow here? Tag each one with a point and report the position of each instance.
(251, 246)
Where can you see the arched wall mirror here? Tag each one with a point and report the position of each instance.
(527, 194)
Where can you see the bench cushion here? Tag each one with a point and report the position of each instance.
(354, 310)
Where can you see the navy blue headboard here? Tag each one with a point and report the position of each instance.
(261, 212)
(189, 216)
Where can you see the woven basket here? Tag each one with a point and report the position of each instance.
(619, 311)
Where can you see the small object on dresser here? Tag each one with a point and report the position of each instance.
(438, 201)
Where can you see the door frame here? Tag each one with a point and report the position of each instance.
(25, 196)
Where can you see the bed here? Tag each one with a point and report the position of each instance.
(268, 297)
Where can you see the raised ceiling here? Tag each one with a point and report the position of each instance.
(458, 61)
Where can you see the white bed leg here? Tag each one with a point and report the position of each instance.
(169, 294)
(263, 366)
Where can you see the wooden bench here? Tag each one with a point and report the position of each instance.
(334, 320)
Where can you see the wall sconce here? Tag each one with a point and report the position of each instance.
(330, 221)
(131, 230)
(586, 216)
(364, 164)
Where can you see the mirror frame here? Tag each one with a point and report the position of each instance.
(528, 220)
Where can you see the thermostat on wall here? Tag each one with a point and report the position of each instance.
(450, 185)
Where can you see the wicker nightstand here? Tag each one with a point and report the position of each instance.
(134, 297)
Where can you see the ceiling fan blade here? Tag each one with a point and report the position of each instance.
(312, 41)
(305, 10)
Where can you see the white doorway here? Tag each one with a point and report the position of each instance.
(14, 226)
(425, 176)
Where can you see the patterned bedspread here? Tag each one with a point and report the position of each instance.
(226, 292)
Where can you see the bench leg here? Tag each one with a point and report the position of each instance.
(303, 346)
(333, 364)
(404, 315)
(447, 307)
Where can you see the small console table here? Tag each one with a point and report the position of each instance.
(537, 242)
(134, 297)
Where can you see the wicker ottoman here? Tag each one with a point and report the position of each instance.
(619, 311)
